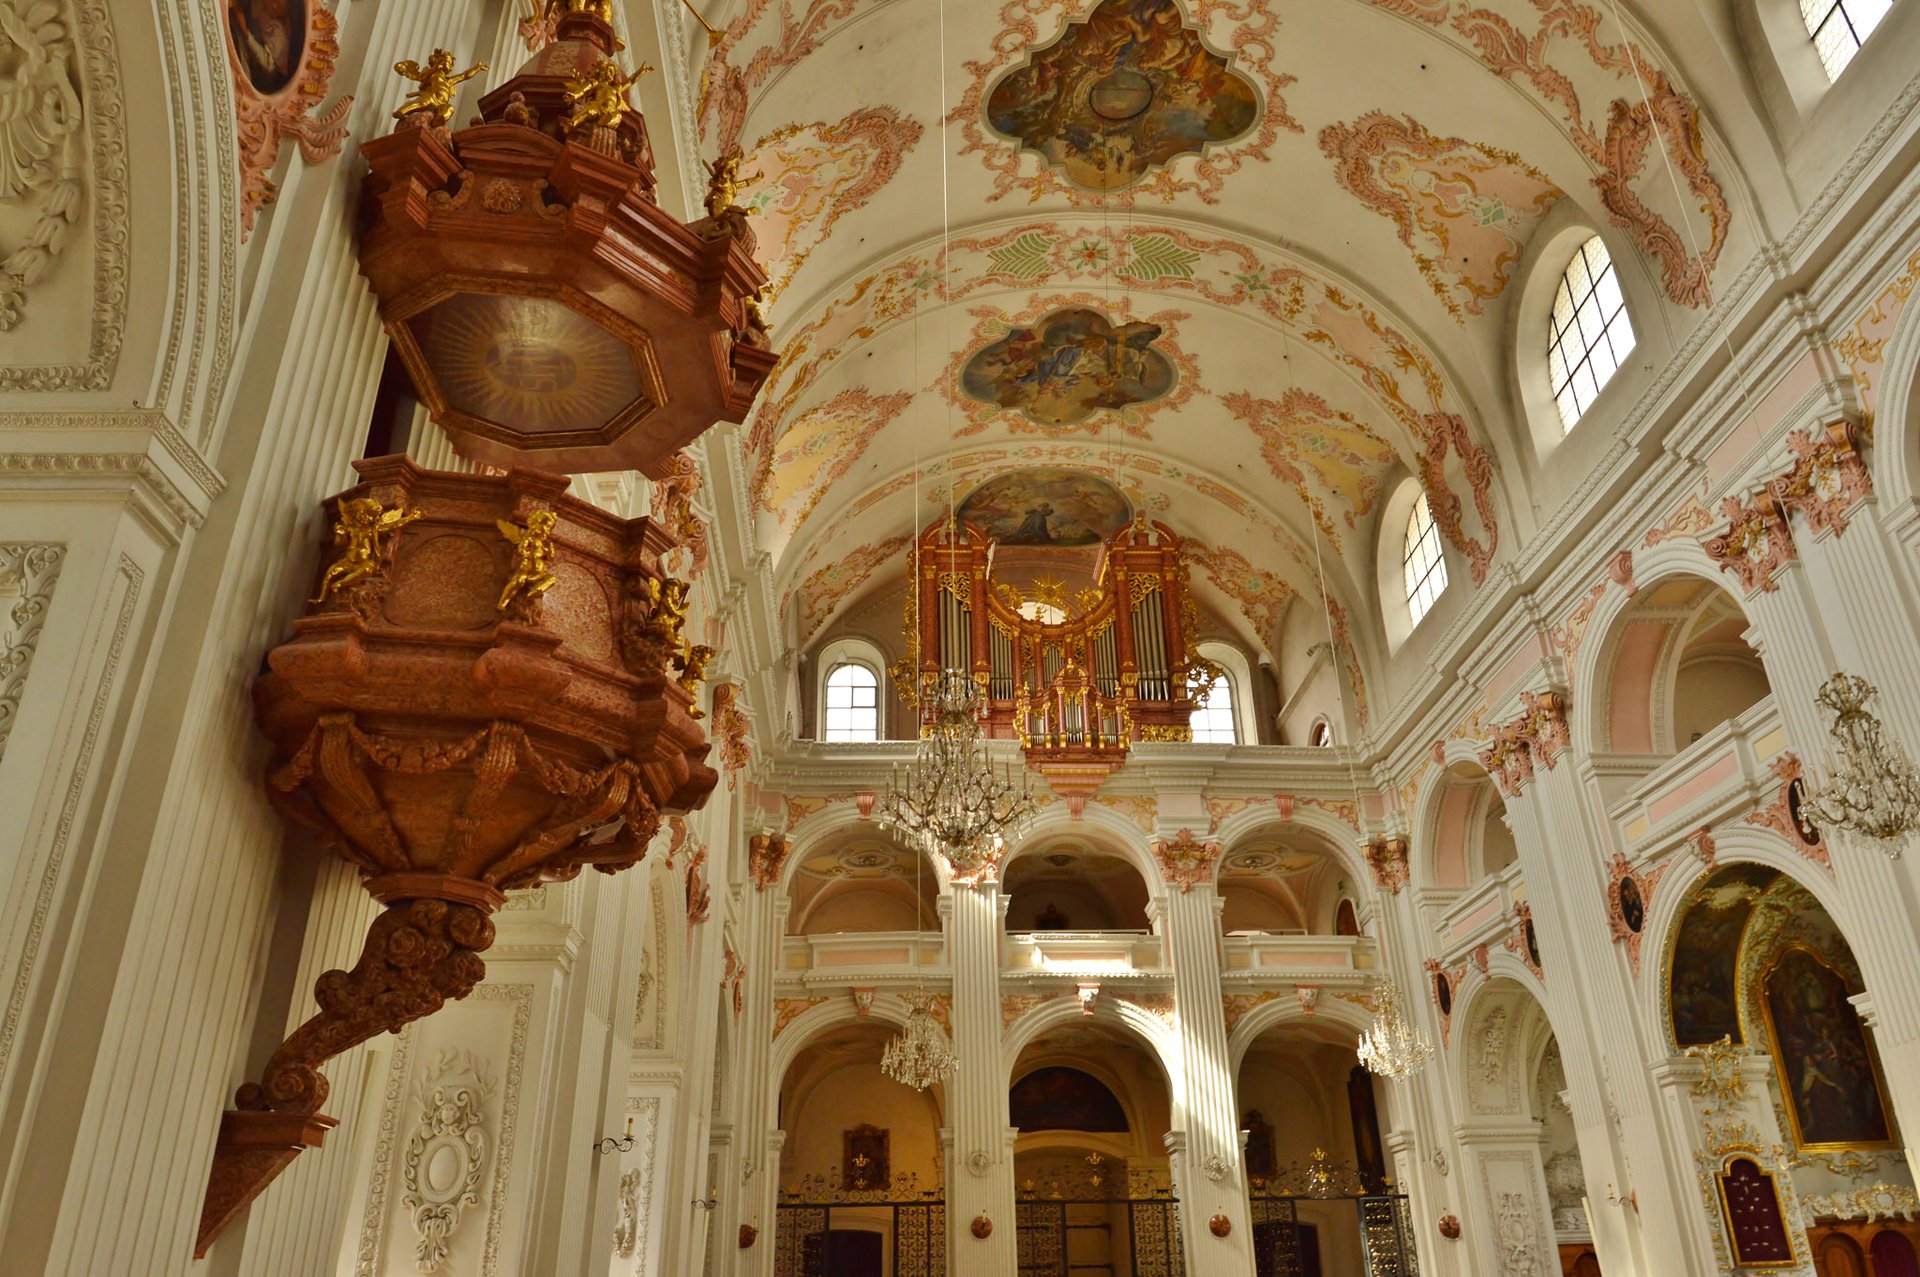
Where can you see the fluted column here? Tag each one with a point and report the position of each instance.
(1209, 1171)
(1804, 632)
(1556, 829)
(764, 914)
(980, 1163)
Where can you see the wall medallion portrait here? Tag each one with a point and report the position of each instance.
(1633, 906)
(281, 54)
(1827, 1070)
(1443, 992)
(269, 38)
(1127, 90)
(1062, 368)
(1046, 506)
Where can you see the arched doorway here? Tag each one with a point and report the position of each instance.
(860, 1166)
(1318, 1194)
(1091, 1172)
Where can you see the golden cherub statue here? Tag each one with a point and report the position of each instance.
(598, 99)
(725, 181)
(532, 573)
(669, 609)
(438, 83)
(693, 661)
(357, 527)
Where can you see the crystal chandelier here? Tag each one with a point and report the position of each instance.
(1874, 791)
(1391, 1045)
(951, 801)
(920, 1054)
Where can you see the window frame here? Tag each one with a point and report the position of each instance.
(874, 684)
(1231, 711)
(1839, 9)
(1590, 285)
(1418, 536)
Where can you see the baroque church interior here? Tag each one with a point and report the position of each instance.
(1008, 638)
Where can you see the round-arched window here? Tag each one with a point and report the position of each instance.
(1840, 27)
(1588, 333)
(1423, 568)
(1212, 718)
(1321, 737)
(853, 704)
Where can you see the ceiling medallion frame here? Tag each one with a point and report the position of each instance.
(993, 93)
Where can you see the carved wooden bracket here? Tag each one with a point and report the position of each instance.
(419, 955)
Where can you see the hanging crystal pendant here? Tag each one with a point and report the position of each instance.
(920, 1054)
(951, 801)
(1873, 791)
(1391, 1045)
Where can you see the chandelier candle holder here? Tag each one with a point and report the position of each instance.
(1391, 1045)
(921, 1054)
(951, 800)
(547, 309)
(489, 690)
(1873, 792)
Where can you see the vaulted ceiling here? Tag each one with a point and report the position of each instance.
(1253, 262)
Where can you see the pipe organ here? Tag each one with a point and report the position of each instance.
(1077, 683)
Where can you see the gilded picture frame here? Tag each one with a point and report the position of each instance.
(1792, 1062)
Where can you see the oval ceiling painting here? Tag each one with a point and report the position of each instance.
(1044, 505)
(1059, 369)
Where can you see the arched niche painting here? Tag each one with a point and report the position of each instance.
(269, 40)
(1063, 1099)
(1702, 983)
(1828, 1073)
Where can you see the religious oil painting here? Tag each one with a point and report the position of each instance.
(1061, 369)
(268, 37)
(1702, 989)
(1046, 506)
(1827, 1069)
(1063, 1099)
(1129, 89)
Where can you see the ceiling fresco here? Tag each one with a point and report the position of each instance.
(1254, 260)
(1124, 92)
(1045, 506)
(1060, 369)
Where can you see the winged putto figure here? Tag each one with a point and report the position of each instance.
(357, 529)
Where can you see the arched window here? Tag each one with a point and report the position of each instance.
(1421, 564)
(853, 703)
(1321, 737)
(1589, 333)
(1213, 720)
(1840, 27)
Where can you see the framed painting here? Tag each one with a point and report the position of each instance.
(282, 55)
(1829, 1074)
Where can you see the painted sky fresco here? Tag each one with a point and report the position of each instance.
(1129, 89)
(1060, 370)
(1045, 506)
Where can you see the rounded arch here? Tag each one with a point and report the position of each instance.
(835, 824)
(851, 649)
(1331, 835)
(1239, 679)
(1560, 236)
(1397, 620)
(1100, 827)
(1896, 412)
(863, 881)
(1634, 698)
(1502, 1026)
(1462, 835)
(1331, 1009)
(1112, 1011)
(1733, 845)
(816, 1022)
